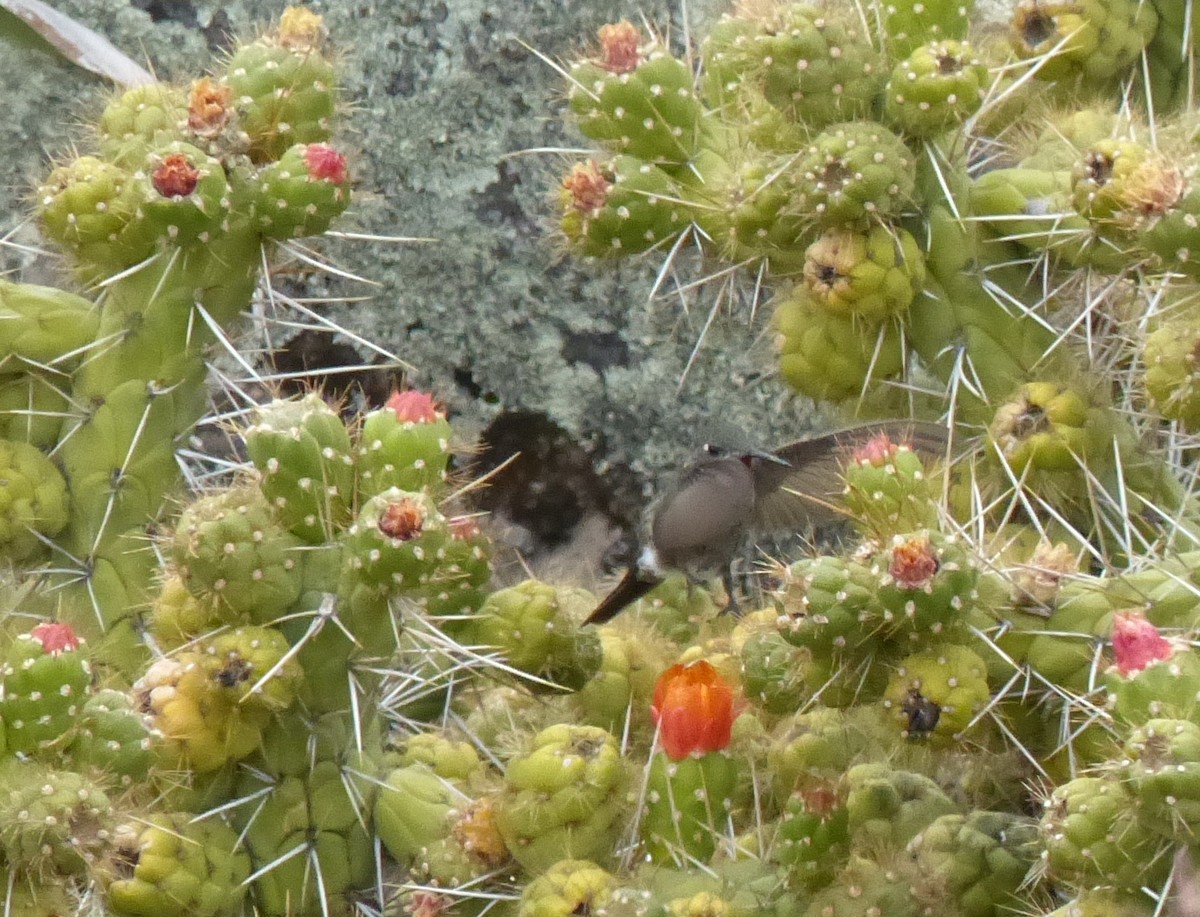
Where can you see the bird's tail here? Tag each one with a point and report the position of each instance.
(634, 584)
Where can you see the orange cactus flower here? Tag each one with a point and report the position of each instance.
(693, 709)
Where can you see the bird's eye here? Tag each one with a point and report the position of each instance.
(710, 449)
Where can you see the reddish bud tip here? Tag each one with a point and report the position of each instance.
(619, 47)
(413, 406)
(402, 520)
(325, 163)
(914, 563)
(587, 187)
(876, 451)
(1137, 643)
(693, 709)
(55, 638)
(175, 176)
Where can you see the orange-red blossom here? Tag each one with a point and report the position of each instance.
(693, 709)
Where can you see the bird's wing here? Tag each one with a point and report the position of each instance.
(808, 491)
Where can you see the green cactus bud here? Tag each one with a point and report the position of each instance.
(909, 24)
(30, 896)
(813, 749)
(565, 796)
(50, 820)
(887, 491)
(831, 356)
(979, 861)
(1172, 377)
(854, 172)
(640, 101)
(405, 444)
(228, 550)
(889, 806)
(568, 887)
(1164, 774)
(865, 887)
(283, 87)
(927, 581)
(303, 454)
(620, 208)
(814, 840)
(33, 500)
(138, 119)
(874, 274)
(42, 324)
(44, 681)
(112, 738)
(1106, 902)
(301, 193)
(175, 865)
(178, 617)
(532, 625)
(1097, 40)
(1093, 835)
(938, 692)
(413, 810)
(935, 89)
(1173, 234)
(772, 675)
(828, 603)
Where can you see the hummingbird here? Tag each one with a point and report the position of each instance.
(726, 492)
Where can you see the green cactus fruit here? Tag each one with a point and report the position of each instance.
(688, 802)
(85, 206)
(813, 749)
(619, 208)
(51, 821)
(890, 807)
(568, 887)
(305, 462)
(979, 861)
(138, 119)
(676, 609)
(854, 172)
(229, 550)
(772, 673)
(175, 865)
(828, 604)
(832, 357)
(1042, 428)
(182, 196)
(34, 503)
(283, 86)
(1097, 40)
(865, 887)
(413, 809)
(533, 626)
(887, 491)
(935, 89)
(1172, 376)
(42, 324)
(813, 841)
(815, 68)
(178, 617)
(254, 668)
(1173, 232)
(450, 759)
(926, 583)
(405, 444)
(396, 543)
(1164, 774)
(873, 275)
(566, 796)
(639, 101)
(201, 723)
(1093, 835)
(622, 690)
(112, 738)
(909, 24)
(301, 193)
(44, 682)
(1123, 184)
(938, 692)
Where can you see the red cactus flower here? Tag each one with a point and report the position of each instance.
(914, 563)
(325, 163)
(415, 407)
(619, 47)
(1137, 643)
(403, 520)
(55, 638)
(175, 176)
(693, 709)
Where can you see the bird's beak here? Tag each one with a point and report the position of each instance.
(769, 457)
